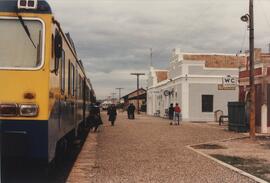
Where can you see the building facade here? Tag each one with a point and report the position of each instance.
(262, 89)
(199, 83)
(134, 97)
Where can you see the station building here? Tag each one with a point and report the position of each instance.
(134, 96)
(200, 83)
(262, 89)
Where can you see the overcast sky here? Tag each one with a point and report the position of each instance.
(113, 38)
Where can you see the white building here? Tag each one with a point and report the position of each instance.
(196, 83)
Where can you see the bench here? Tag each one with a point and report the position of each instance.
(166, 114)
(221, 119)
(157, 113)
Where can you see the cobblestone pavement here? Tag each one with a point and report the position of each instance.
(148, 149)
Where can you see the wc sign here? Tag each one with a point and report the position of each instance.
(229, 82)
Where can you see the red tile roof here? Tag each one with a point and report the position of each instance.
(161, 75)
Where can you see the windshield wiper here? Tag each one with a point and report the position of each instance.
(26, 30)
(39, 47)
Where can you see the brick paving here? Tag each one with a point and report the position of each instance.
(148, 149)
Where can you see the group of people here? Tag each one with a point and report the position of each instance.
(175, 114)
(130, 111)
(94, 118)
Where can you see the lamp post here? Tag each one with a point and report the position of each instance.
(249, 18)
(138, 85)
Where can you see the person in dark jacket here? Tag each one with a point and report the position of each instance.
(112, 114)
(94, 118)
(128, 111)
(132, 110)
(171, 112)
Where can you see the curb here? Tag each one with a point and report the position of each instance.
(257, 179)
(220, 140)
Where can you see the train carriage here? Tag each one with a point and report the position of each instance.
(44, 88)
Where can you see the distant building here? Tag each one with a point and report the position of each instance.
(262, 89)
(200, 83)
(132, 97)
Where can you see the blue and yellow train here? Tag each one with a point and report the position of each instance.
(44, 88)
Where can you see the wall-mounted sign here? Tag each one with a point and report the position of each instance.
(221, 87)
(229, 82)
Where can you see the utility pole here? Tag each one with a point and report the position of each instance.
(249, 18)
(138, 85)
(251, 70)
(119, 89)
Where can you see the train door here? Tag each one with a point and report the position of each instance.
(63, 97)
(71, 101)
(76, 100)
(84, 100)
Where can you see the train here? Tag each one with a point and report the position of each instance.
(45, 92)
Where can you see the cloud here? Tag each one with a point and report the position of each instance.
(113, 37)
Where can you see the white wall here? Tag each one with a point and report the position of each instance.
(190, 80)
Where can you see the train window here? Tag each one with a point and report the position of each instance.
(80, 86)
(72, 78)
(52, 46)
(69, 78)
(76, 87)
(58, 45)
(17, 50)
(63, 72)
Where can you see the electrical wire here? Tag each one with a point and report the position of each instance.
(264, 13)
(243, 41)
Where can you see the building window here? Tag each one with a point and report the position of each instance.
(207, 103)
(72, 79)
(63, 72)
(69, 81)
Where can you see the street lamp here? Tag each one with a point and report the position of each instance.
(249, 18)
(245, 18)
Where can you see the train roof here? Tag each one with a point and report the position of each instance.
(11, 6)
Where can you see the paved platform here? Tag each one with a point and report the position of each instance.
(148, 149)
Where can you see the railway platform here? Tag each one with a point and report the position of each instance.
(148, 149)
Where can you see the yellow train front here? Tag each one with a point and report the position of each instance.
(44, 89)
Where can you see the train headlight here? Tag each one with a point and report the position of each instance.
(27, 4)
(8, 110)
(28, 110)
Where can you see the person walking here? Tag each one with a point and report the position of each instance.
(112, 114)
(128, 110)
(132, 110)
(171, 112)
(94, 119)
(177, 113)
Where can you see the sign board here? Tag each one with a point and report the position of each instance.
(221, 87)
(229, 82)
